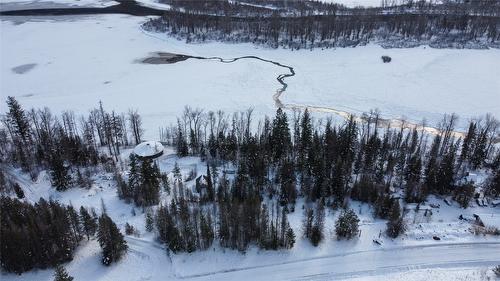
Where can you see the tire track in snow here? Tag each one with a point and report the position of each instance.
(400, 267)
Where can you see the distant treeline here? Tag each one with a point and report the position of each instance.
(305, 25)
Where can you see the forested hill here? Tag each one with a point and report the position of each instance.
(297, 25)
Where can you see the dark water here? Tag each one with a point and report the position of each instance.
(168, 58)
(128, 7)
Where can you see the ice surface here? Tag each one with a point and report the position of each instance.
(96, 58)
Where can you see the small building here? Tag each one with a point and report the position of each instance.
(149, 150)
(201, 183)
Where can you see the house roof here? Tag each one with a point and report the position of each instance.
(148, 149)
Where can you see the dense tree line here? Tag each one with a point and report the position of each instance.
(323, 163)
(47, 233)
(256, 172)
(66, 145)
(307, 25)
(37, 236)
(184, 225)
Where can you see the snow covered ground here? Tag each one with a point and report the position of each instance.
(355, 3)
(73, 62)
(77, 61)
(26, 4)
(459, 253)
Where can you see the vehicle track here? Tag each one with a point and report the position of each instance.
(440, 261)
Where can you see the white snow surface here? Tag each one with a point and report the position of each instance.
(148, 148)
(459, 255)
(355, 3)
(154, 4)
(24, 4)
(81, 60)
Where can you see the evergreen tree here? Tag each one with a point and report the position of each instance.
(288, 190)
(318, 226)
(206, 231)
(307, 222)
(149, 222)
(464, 193)
(431, 170)
(210, 185)
(35, 236)
(18, 124)
(59, 173)
(89, 222)
(305, 143)
(148, 191)
(18, 190)
(493, 186)
(60, 274)
(446, 172)
(75, 223)
(167, 230)
(134, 177)
(467, 145)
(111, 240)
(289, 238)
(177, 174)
(395, 225)
(280, 136)
(18, 119)
(347, 224)
(182, 146)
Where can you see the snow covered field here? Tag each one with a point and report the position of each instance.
(69, 71)
(28, 4)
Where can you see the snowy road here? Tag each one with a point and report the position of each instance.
(367, 263)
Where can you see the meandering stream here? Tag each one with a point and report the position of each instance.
(169, 58)
(133, 8)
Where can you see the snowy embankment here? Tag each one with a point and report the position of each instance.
(147, 259)
(71, 72)
(355, 3)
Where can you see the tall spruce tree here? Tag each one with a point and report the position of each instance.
(150, 175)
(89, 222)
(59, 173)
(280, 136)
(395, 225)
(111, 240)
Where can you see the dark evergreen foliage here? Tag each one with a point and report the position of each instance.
(347, 225)
(36, 236)
(312, 24)
(395, 225)
(111, 240)
(61, 274)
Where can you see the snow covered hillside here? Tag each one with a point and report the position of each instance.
(418, 83)
(230, 195)
(458, 254)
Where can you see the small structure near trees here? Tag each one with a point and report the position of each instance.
(148, 150)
